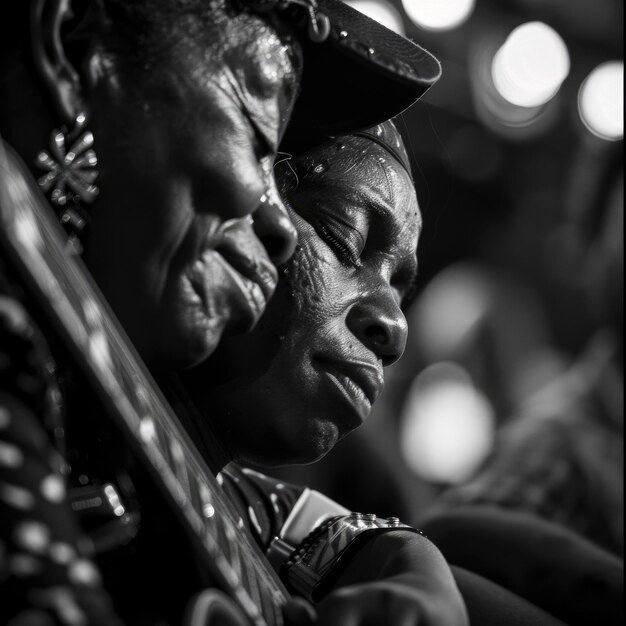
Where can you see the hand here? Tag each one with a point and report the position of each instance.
(396, 579)
(397, 601)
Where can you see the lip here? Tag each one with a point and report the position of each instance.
(252, 276)
(254, 268)
(247, 299)
(360, 381)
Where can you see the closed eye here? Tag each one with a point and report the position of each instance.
(346, 250)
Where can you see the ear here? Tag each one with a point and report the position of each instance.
(59, 77)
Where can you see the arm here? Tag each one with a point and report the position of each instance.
(355, 570)
(398, 577)
(394, 577)
(401, 578)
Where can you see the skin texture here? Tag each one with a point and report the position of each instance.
(337, 302)
(309, 372)
(186, 123)
(197, 141)
(184, 149)
(397, 578)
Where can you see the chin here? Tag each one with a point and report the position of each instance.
(326, 436)
(276, 445)
(306, 446)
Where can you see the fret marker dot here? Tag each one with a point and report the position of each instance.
(147, 430)
(177, 451)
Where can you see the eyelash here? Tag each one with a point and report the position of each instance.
(345, 251)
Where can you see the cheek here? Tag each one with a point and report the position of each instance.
(313, 283)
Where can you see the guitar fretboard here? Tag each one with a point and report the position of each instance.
(36, 246)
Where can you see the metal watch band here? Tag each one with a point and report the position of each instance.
(310, 511)
(315, 565)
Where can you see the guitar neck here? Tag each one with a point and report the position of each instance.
(36, 247)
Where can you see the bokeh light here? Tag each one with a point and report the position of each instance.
(531, 65)
(447, 425)
(459, 299)
(382, 11)
(601, 101)
(438, 14)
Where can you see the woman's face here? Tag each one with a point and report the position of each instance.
(310, 371)
(186, 142)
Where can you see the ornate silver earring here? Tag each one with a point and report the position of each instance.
(70, 173)
(71, 166)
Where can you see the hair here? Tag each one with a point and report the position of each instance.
(143, 27)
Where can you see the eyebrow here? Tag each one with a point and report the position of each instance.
(381, 209)
(407, 268)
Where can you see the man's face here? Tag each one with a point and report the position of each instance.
(186, 143)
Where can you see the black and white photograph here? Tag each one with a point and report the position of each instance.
(311, 313)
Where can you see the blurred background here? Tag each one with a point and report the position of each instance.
(517, 159)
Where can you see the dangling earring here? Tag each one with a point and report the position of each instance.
(71, 172)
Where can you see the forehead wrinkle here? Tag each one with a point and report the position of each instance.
(223, 69)
(378, 208)
(372, 159)
(385, 170)
(377, 203)
(387, 209)
(228, 84)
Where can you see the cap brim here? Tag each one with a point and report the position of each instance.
(361, 75)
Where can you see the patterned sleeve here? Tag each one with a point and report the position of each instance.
(264, 503)
(46, 575)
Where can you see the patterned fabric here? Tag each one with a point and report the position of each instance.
(562, 458)
(318, 561)
(46, 575)
(263, 502)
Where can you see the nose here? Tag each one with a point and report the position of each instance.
(273, 226)
(379, 324)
